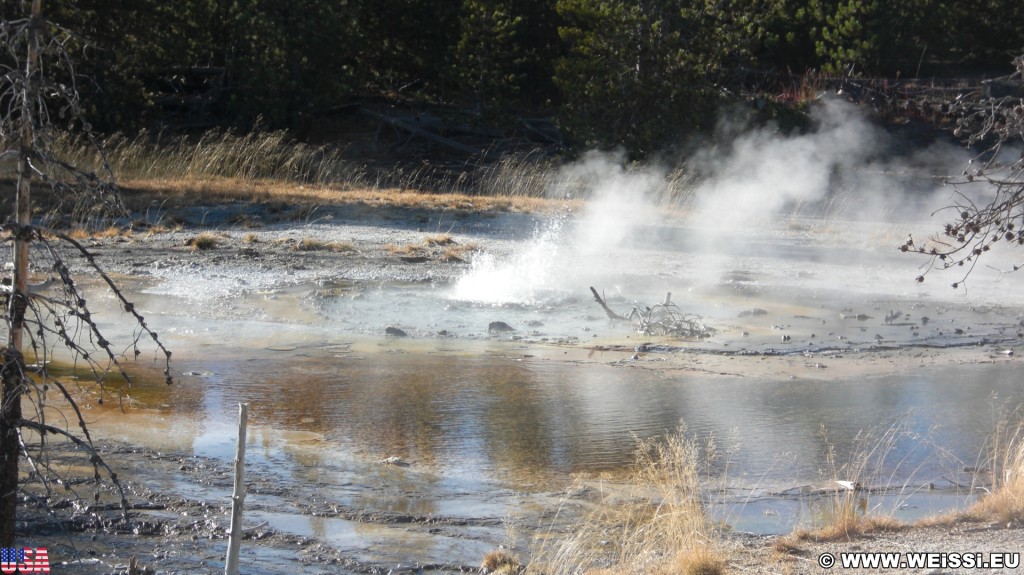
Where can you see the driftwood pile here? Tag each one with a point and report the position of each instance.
(660, 319)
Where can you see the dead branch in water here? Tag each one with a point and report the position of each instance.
(668, 319)
(661, 319)
(600, 301)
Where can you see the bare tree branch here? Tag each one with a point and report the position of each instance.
(41, 98)
(997, 126)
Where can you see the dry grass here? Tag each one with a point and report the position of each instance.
(1003, 455)
(699, 561)
(883, 524)
(175, 193)
(844, 519)
(846, 511)
(439, 240)
(83, 233)
(942, 520)
(805, 88)
(260, 166)
(406, 250)
(787, 546)
(204, 241)
(79, 233)
(500, 562)
(113, 232)
(452, 250)
(662, 527)
(162, 229)
(848, 521)
(459, 253)
(257, 155)
(165, 172)
(316, 245)
(849, 516)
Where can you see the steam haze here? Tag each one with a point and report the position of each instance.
(825, 194)
(762, 175)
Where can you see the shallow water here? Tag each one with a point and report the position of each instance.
(495, 426)
(501, 414)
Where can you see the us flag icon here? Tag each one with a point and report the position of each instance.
(24, 560)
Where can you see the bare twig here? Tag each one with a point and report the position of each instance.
(995, 124)
(94, 456)
(661, 319)
(607, 310)
(40, 78)
(668, 319)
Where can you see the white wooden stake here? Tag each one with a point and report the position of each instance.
(238, 496)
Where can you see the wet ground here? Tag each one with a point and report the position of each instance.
(809, 327)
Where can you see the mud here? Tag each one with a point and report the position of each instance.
(369, 517)
(179, 514)
(382, 244)
(185, 529)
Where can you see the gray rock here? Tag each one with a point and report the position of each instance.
(499, 327)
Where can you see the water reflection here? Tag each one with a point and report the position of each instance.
(495, 413)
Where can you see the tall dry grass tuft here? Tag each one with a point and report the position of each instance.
(265, 166)
(216, 154)
(1003, 457)
(875, 458)
(262, 155)
(204, 241)
(318, 245)
(439, 240)
(660, 527)
(805, 88)
(516, 175)
(169, 171)
(500, 562)
(275, 156)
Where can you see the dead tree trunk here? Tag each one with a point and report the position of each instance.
(9, 419)
(13, 372)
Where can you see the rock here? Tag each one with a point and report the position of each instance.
(394, 460)
(499, 327)
(395, 332)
